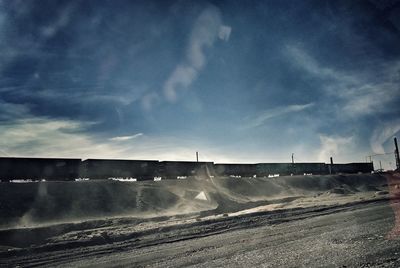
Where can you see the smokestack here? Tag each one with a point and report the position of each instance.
(197, 156)
(396, 154)
(331, 166)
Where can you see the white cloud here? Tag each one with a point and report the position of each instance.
(266, 115)
(61, 21)
(224, 32)
(362, 95)
(368, 99)
(12, 111)
(334, 146)
(3, 43)
(78, 95)
(88, 96)
(43, 137)
(299, 57)
(148, 100)
(2, 20)
(182, 76)
(204, 33)
(51, 138)
(125, 138)
(382, 134)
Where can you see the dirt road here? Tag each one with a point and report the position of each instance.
(352, 235)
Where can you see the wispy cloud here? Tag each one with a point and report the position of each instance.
(2, 19)
(224, 32)
(272, 113)
(361, 95)
(358, 95)
(334, 146)
(49, 137)
(44, 137)
(80, 95)
(148, 100)
(204, 33)
(383, 133)
(60, 22)
(126, 138)
(10, 111)
(301, 58)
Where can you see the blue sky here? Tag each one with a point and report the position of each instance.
(238, 81)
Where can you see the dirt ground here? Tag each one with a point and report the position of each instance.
(305, 221)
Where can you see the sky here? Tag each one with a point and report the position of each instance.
(238, 81)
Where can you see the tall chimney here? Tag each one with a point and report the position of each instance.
(197, 156)
(331, 166)
(396, 154)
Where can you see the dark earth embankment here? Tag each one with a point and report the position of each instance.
(32, 204)
(121, 223)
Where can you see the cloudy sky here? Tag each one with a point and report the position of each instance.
(238, 81)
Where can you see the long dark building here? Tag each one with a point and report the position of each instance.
(244, 170)
(352, 168)
(39, 168)
(98, 169)
(12, 168)
(174, 169)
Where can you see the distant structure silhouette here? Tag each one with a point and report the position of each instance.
(396, 153)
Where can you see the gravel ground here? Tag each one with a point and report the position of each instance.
(349, 235)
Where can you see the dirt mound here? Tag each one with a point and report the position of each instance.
(50, 202)
(368, 188)
(340, 190)
(31, 203)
